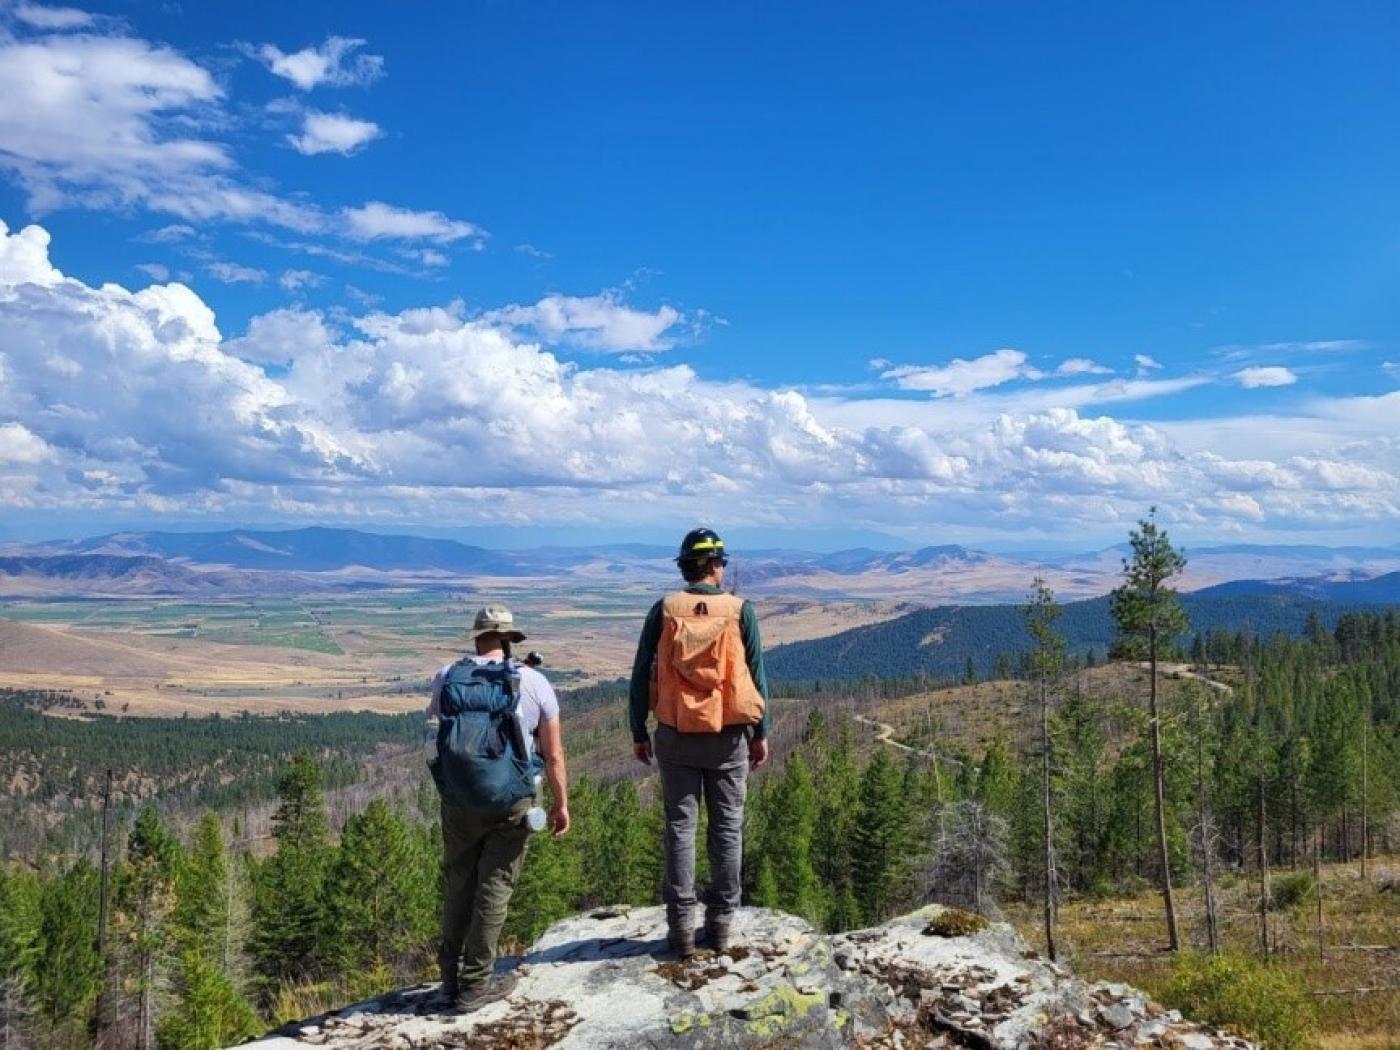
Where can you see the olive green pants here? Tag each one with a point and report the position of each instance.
(481, 858)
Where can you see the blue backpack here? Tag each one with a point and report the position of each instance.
(482, 762)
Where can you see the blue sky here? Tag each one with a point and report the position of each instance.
(997, 272)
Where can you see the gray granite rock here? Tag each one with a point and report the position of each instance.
(603, 979)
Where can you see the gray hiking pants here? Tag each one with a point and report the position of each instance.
(717, 766)
(481, 858)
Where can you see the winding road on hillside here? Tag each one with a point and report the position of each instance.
(884, 734)
(1184, 671)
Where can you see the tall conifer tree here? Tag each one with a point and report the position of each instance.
(1148, 613)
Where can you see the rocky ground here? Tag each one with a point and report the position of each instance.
(929, 979)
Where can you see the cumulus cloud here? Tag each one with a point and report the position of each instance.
(1271, 375)
(1145, 363)
(155, 271)
(961, 377)
(333, 64)
(595, 322)
(333, 133)
(106, 395)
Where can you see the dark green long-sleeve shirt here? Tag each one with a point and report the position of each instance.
(639, 697)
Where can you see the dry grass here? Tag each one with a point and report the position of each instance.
(1124, 940)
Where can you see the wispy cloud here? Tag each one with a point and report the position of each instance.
(1082, 366)
(53, 18)
(234, 273)
(379, 221)
(1267, 375)
(595, 322)
(297, 280)
(333, 133)
(961, 376)
(332, 64)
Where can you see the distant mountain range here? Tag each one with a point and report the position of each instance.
(250, 560)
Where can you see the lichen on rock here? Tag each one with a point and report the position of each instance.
(604, 979)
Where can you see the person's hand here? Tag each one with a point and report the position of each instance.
(559, 821)
(642, 751)
(758, 752)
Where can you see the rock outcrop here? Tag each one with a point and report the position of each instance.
(931, 978)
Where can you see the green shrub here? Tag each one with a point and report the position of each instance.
(951, 922)
(1265, 1002)
(1289, 891)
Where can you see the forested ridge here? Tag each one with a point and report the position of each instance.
(941, 642)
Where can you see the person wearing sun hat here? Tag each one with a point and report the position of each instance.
(483, 849)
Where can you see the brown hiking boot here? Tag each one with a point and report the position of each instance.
(450, 988)
(717, 935)
(493, 989)
(681, 940)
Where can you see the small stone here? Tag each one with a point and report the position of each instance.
(1118, 1016)
(1194, 1041)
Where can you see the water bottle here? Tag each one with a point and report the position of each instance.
(430, 736)
(535, 818)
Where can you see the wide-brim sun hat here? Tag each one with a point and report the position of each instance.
(496, 619)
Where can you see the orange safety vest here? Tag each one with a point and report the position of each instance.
(701, 681)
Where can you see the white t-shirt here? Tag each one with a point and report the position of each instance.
(537, 700)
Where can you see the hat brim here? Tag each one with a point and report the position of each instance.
(511, 635)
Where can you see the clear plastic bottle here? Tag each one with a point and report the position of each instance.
(430, 737)
(535, 817)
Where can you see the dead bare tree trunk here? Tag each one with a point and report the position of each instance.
(1263, 871)
(1207, 844)
(1160, 791)
(1317, 889)
(1365, 823)
(1051, 876)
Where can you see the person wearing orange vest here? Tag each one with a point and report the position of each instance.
(699, 671)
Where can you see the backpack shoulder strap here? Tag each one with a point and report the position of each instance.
(684, 604)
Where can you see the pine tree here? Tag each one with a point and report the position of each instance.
(376, 898)
(1147, 612)
(202, 911)
(792, 825)
(838, 802)
(20, 894)
(290, 937)
(880, 840)
(65, 986)
(209, 1010)
(1047, 663)
(145, 904)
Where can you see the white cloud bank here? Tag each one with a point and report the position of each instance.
(133, 401)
